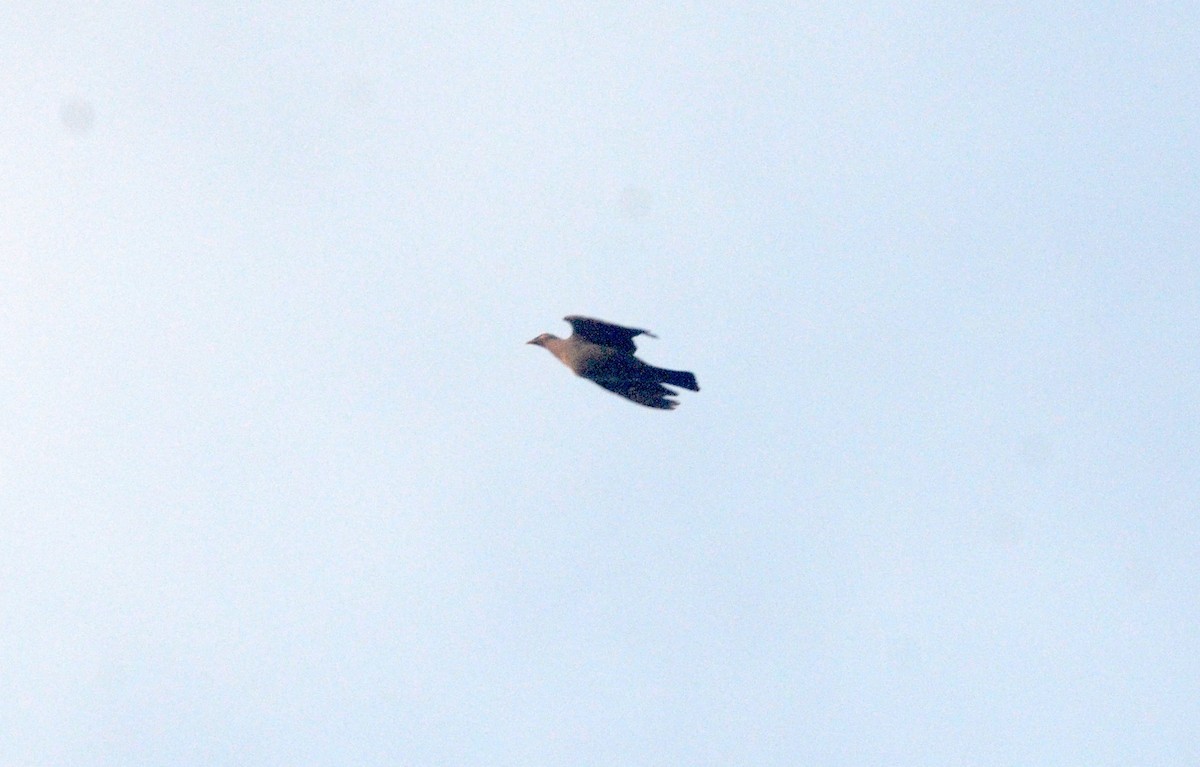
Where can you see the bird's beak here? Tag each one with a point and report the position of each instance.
(534, 342)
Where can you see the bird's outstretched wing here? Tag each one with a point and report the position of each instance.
(606, 333)
(643, 393)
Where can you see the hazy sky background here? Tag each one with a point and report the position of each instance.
(280, 483)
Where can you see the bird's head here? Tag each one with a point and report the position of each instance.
(542, 339)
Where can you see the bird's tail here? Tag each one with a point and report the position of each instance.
(680, 378)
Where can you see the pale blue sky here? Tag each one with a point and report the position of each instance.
(281, 484)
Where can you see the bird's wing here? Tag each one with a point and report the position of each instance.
(641, 392)
(606, 333)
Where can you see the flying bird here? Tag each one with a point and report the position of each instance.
(603, 353)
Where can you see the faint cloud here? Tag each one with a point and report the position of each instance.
(1036, 452)
(77, 116)
(1141, 575)
(358, 92)
(1007, 530)
(636, 203)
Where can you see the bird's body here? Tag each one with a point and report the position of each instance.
(603, 353)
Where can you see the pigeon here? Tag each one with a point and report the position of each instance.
(603, 353)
